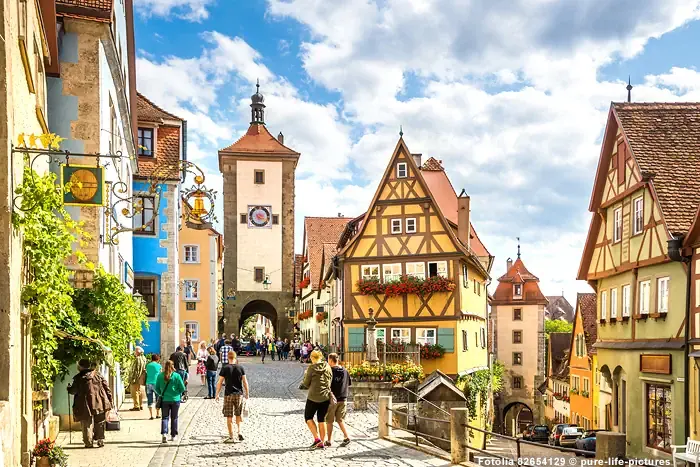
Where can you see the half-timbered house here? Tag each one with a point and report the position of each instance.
(646, 190)
(416, 264)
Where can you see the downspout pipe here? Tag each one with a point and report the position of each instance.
(675, 252)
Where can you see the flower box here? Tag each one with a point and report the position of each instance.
(305, 315)
(431, 351)
(405, 286)
(304, 283)
(321, 317)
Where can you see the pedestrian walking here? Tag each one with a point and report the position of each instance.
(212, 365)
(271, 348)
(220, 343)
(236, 392)
(317, 380)
(279, 345)
(339, 395)
(169, 387)
(137, 378)
(304, 353)
(297, 349)
(181, 364)
(92, 401)
(223, 352)
(263, 350)
(285, 350)
(153, 369)
(202, 355)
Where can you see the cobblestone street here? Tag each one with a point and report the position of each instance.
(275, 433)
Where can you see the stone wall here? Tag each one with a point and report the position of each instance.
(169, 280)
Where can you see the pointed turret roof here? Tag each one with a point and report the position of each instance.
(518, 273)
(258, 140)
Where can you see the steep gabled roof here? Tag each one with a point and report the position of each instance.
(517, 273)
(298, 264)
(147, 111)
(559, 345)
(258, 140)
(321, 234)
(559, 308)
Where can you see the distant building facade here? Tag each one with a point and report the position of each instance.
(581, 352)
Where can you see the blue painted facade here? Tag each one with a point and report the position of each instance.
(150, 260)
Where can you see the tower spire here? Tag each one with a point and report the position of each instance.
(629, 88)
(401, 131)
(257, 106)
(518, 247)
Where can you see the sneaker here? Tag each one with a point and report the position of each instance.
(100, 443)
(315, 443)
(164, 439)
(319, 445)
(88, 445)
(240, 437)
(327, 444)
(151, 418)
(229, 440)
(345, 442)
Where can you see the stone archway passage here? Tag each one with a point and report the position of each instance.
(516, 416)
(258, 307)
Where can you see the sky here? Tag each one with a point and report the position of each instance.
(511, 95)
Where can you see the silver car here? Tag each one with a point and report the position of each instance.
(569, 436)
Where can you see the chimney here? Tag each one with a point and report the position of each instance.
(509, 264)
(340, 214)
(463, 224)
(280, 138)
(417, 158)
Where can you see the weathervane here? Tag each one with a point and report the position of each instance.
(518, 247)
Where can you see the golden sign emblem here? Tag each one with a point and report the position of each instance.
(83, 185)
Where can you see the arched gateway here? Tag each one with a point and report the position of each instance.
(258, 172)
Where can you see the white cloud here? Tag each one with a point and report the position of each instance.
(191, 10)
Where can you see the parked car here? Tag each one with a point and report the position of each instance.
(556, 433)
(527, 432)
(587, 442)
(539, 434)
(569, 436)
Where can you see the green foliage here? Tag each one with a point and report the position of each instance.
(476, 386)
(557, 325)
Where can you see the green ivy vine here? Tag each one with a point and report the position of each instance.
(476, 387)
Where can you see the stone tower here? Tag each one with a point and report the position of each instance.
(258, 172)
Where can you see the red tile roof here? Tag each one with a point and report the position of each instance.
(446, 198)
(298, 263)
(518, 274)
(586, 305)
(258, 140)
(147, 111)
(665, 142)
(105, 5)
(321, 233)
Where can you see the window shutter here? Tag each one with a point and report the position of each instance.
(446, 338)
(356, 339)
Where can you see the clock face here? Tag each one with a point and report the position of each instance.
(259, 216)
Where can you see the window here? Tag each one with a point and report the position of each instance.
(638, 215)
(370, 272)
(477, 287)
(191, 306)
(613, 303)
(259, 177)
(659, 420)
(517, 382)
(392, 272)
(644, 287)
(147, 288)
(416, 270)
(259, 274)
(244, 218)
(401, 335)
(438, 268)
(193, 328)
(191, 254)
(275, 219)
(465, 276)
(617, 225)
(411, 225)
(145, 136)
(426, 336)
(517, 314)
(396, 226)
(191, 289)
(401, 170)
(586, 385)
(575, 383)
(517, 358)
(517, 291)
(465, 341)
(662, 294)
(517, 337)
(143, 219)
(381, 335)
(625, 301)
(483, 337)
(604, 305)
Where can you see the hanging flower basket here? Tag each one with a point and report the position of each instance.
(405, 286)
(431, 351)
(304, 283)
(321, 317)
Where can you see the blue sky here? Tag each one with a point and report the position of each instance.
(512, 96)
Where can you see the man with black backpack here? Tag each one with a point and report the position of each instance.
(339, 394)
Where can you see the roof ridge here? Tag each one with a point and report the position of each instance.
(158, 107)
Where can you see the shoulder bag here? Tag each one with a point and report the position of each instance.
(159, 399)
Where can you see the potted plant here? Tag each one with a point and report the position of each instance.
(47, 453)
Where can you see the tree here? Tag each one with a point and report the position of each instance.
(557, 325)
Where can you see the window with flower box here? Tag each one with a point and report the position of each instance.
(437, 268)
(401, 335)
(613, 303)
(644, 289)
(426, 336)
(391, 272)
(625, 301)
(416, 270)
(603, 305)
(662, 294)
(370, 272)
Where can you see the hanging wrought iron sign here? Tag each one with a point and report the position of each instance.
(84, 185)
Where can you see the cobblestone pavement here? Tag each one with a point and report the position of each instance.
(275, 433)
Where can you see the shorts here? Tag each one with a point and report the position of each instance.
(336, 412)
(316, 408)
(233, 405)
(150, 394)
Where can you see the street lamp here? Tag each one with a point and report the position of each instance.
(138, 297)
(266, 283)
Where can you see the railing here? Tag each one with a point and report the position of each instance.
(355, 356)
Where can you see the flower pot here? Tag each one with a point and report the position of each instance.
(42, 462)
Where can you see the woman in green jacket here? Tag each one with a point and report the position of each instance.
(169, 387)
(317, 380)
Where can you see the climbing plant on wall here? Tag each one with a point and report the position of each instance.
(476, 387)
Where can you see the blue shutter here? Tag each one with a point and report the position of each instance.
(446, 338)
(356, 339)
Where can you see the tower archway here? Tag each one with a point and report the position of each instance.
(259, 307)
(516, 417)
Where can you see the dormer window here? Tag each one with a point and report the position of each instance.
(517, 290)
(401, 170)
(145, 142)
